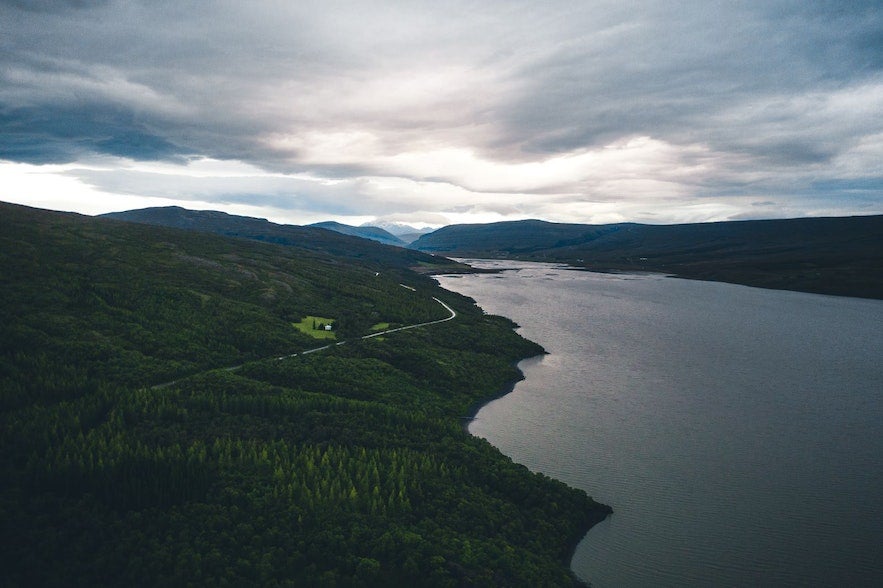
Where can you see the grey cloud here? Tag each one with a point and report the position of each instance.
(349, 198)
(676, 73)
(587, 75)
(852, 186)
(766, 86)
(52, 5)
(278, 192)
(34, 135)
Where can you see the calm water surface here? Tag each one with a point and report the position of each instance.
(737, 432)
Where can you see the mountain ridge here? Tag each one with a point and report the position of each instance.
(372, 253)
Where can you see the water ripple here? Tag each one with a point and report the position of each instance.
(736, 431)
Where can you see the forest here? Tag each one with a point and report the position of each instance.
(150, 434)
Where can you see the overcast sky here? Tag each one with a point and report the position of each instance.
(433, 113)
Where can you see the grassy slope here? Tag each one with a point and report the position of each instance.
(312, 326)
(348, 467)
(842, 256)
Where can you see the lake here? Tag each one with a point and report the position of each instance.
(736, 432)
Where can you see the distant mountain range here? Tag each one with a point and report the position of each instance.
(397, 234)
(842, 256)
(311, 238)
(406, 233)
(365, 232)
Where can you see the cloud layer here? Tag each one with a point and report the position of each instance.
(596, 112)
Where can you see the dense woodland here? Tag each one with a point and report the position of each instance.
(131, 456)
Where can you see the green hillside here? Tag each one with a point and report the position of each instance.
(842, 256)
(131, 456)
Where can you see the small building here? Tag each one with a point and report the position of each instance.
(327, 327)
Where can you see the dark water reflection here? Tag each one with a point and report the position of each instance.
(737, 432)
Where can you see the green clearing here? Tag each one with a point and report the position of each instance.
(380, 327)
(314, 327)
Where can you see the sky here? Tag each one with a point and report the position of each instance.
(432, 113)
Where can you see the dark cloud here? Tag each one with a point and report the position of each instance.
(853, 185)
(686, 75)
(60, 135)
(52, 5)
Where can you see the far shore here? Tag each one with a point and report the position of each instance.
(792, 280)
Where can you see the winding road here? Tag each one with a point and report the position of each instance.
(379, 333)
(317, 349)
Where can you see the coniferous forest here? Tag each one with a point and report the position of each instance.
(155, 428)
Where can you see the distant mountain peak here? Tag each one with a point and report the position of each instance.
(407, 233)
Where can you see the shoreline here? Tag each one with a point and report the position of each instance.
(476, 406)
(598, 514)
(764, 282)
(795, 279)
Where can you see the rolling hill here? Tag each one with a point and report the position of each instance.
(157, 430)
(370, 254)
